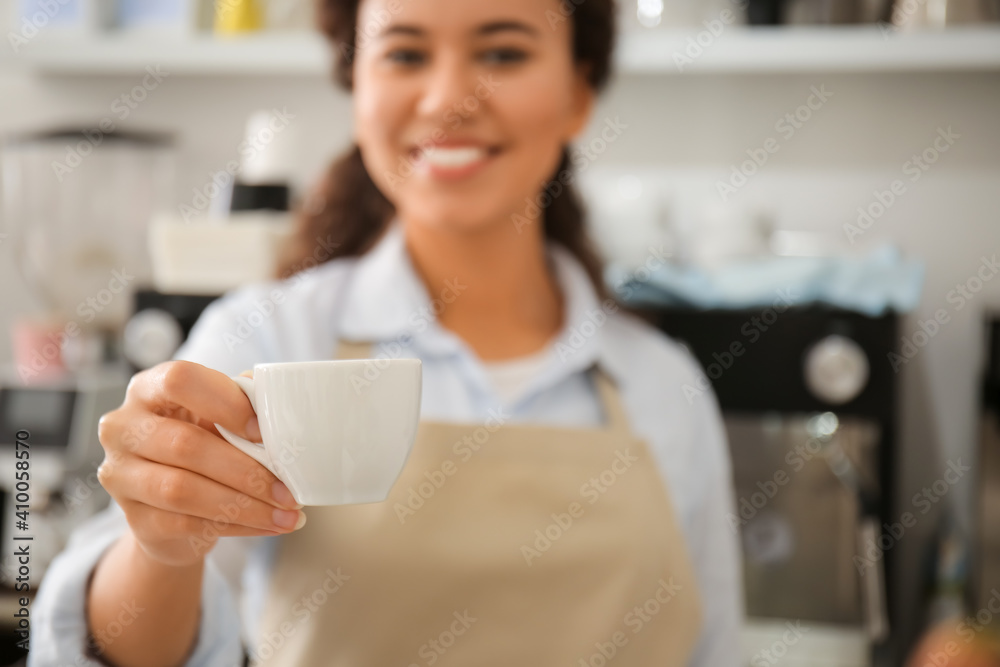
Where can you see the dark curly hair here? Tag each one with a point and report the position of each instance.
(347, 213)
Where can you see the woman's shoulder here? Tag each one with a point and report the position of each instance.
(660, 379)
(308, 285)
(640, 350)
(310, 291)
(671, 402)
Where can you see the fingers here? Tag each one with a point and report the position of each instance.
(200, 390)
(186, 493)
(156, 525)
(179, 444)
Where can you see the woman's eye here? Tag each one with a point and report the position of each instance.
(406, 56)
(504, 56)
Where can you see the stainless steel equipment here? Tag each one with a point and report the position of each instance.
(799, 520)
(809, 409)
(987, 557)
(943, 13)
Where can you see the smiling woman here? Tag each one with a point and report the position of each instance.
(563, 502)
(464, 116)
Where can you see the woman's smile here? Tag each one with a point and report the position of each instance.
(453, 160)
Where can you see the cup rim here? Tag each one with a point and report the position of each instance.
(302, 364)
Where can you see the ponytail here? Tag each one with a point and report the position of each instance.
(343, 217)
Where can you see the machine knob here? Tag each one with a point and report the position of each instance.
(151, 337)
(836, 369)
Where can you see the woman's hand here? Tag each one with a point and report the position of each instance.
(179, 483)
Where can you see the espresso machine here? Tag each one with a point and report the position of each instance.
(810, 418)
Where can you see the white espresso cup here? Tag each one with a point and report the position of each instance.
(335, 432)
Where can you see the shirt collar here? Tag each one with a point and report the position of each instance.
(386, 301)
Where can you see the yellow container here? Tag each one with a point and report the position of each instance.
(237, 16)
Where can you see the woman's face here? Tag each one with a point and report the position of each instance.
(462, 107)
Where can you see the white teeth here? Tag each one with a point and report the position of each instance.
(453, 157)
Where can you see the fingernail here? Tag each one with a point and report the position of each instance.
(283, 496)
(253, 429)
(294, 519)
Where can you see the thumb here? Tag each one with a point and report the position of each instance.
(252, 427)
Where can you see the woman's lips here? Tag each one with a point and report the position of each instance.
(453, 162)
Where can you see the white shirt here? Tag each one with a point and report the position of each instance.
(510, 378)
(379, 297)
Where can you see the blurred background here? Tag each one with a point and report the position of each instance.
(801, 191)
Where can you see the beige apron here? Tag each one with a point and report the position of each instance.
(498, 545)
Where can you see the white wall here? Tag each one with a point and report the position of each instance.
(698, 127)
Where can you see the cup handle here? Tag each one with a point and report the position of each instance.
(255, 450)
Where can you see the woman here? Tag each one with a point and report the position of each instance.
(587, 522)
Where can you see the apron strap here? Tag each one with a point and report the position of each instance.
(348, 349)
(614, 411)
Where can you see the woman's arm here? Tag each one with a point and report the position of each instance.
(156, 606)
(61, 609)
(181, 488)
(59, 629)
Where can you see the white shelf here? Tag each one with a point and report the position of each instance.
(303, 54)
(815, 49)
(737, 50)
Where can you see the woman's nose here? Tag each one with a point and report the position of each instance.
(448, 86)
